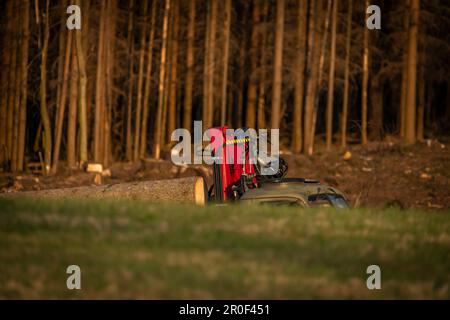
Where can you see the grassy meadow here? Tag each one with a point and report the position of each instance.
(140, 250)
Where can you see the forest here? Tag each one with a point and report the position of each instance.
(114, 90)
(92, 90)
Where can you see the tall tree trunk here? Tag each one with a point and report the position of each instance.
(11, 89)
(278, 65)
(330, 97)
(62, 104)
(47, 143)
(226, 32)
(299, 78)
(109, 74)
(410, 120)
(100, 87)
(316, 60)
(187, 111)
(311, 72)
(168, 73)
(129, 138)
(365, 80)
(376, 94)
(208, 104)
(82, 111)
(206, 64)
(148, 82)
(172, 97)
(162, 72)
(429, 103)
(323, 41)
(262, 82)
(61, 49)
(253, 79)
(137, 126)
(6, 60)
(242, 74)
(24, 84)
(346, 76)
(17, 103)
(421, 107)
(72, 113)
(402, 107)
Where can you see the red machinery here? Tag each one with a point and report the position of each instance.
(234, 171)
(236, 177)
(230, 177)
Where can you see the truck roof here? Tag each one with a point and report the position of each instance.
(289, 188)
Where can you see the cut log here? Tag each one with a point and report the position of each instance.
(184, 190)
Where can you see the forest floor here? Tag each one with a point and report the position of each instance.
(379, 175)
(137, 250)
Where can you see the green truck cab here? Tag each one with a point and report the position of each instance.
(296, 192)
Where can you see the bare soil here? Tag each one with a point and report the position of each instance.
(382, 174)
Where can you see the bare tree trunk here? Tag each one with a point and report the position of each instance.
(186, 190)
(299, 79)
(6, 60)
(167, 80)
(62, 104)
(317, 44)
(61, 48)
(376, 94)
(109, 73)
(402, 107)
(100, 87)
(129, 138)
(262, 82)
(137, 125)
(81, 95)
(323, 41)
(208, 107)
(206, 64)
(148, 82)
(172, 96)
(346, 76)
(187, 111)
(12, 90)
(311, 71)
(278, 65)
(82, 112)
(72, 114)
(365, 80)
(242, 75)
(421, 107)
(17, 102)
(226, 32)
(43, 95)
(24, 84)
(253, 79)
(162, 71)
(410, 120)
(330, 98)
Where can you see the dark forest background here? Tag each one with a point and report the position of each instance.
(116, 89)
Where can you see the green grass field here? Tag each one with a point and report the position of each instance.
(137, 250)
